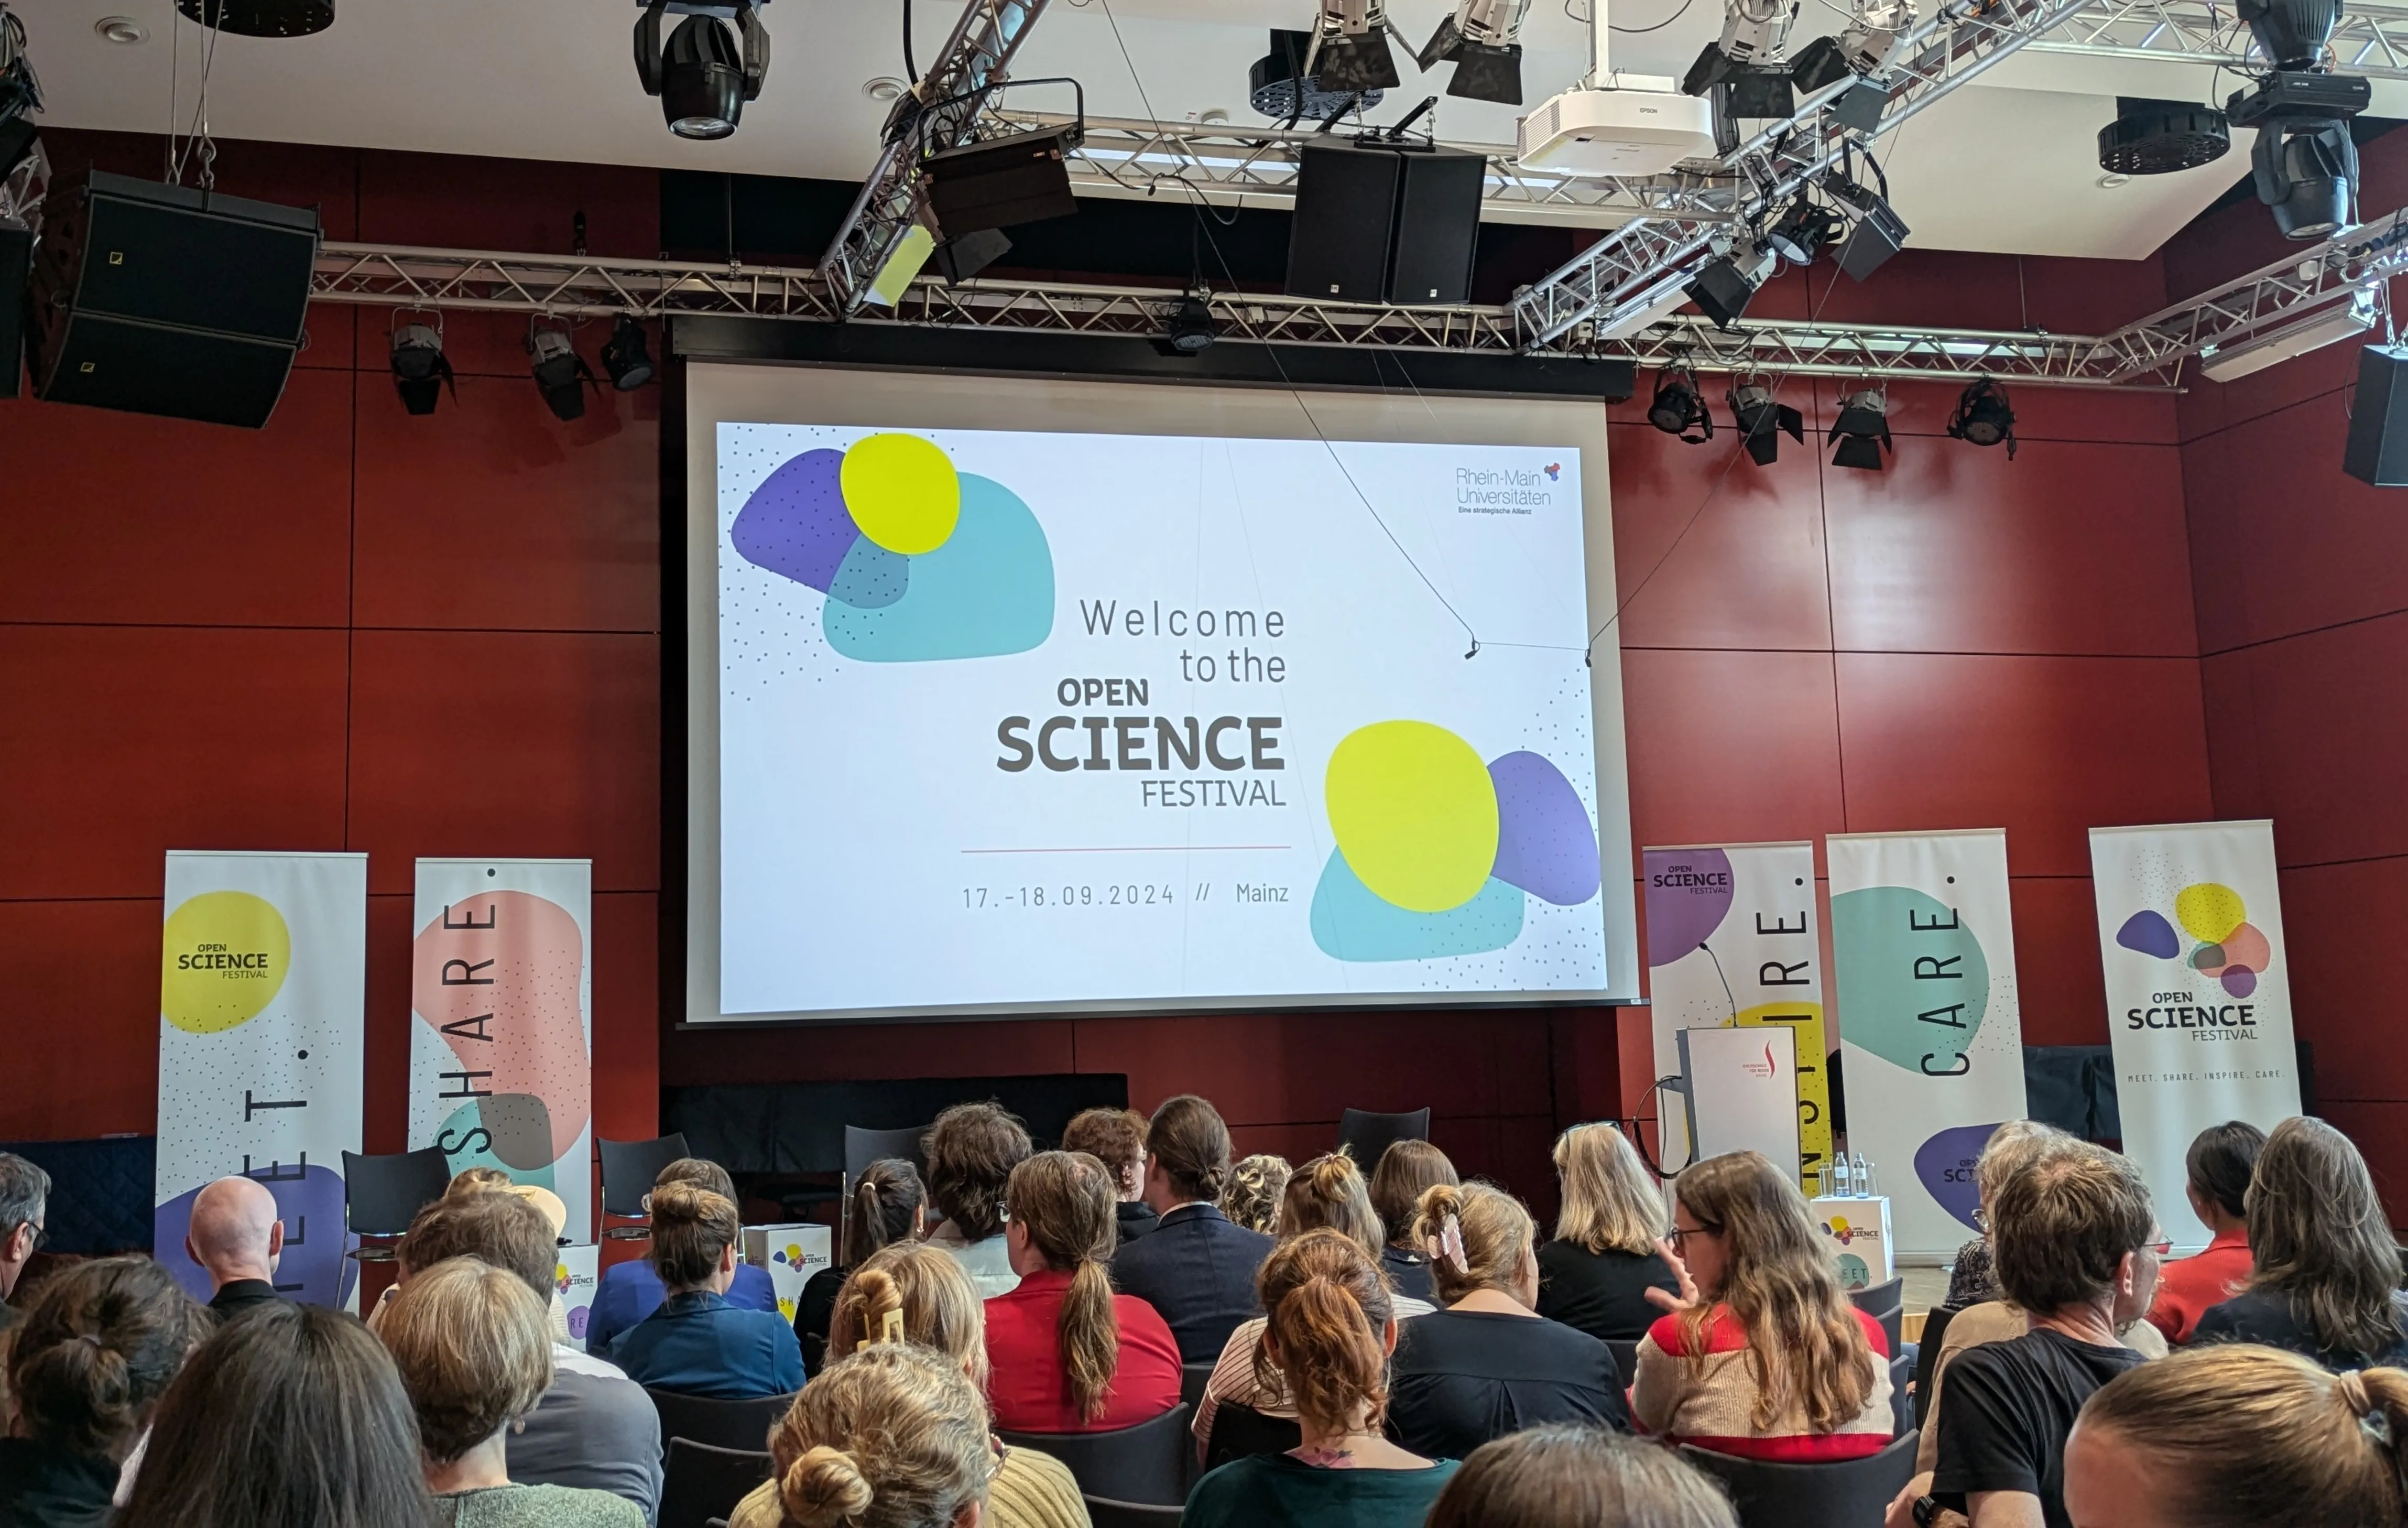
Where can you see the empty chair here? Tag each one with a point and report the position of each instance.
(628, 1170)
(1902, 1404)
(1238, 1430)
(742, 1426)
(1146, 1463)
(864, 1146)
(1851, 1493)
(1927, 1359)
(1191, 1378)
(1886, 1304)
(1363, 1135)
(703, 1483)
(1104, 1513)
(382, 1195)
(1626, 1359)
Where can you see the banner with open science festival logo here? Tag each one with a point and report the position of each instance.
(2198, 993)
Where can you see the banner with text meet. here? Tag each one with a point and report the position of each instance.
(501, 1046)
(1922, 952)
(261, 1052)
(1731, 939)
(2198, 997)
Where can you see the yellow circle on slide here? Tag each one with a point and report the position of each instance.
(223, 960)
(2209, 912)
(902, 492)
(1415, 812)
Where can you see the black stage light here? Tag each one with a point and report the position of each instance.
(262, 18)
(1752, 33)
(1859, 107)
(2160, 137)
(1799, 234)
(1983, 417)
(961, 258)
(1761, 419)
(1722, 290)
(420, 371)
(1482, 39)
(1864, 48)
(1350, 47)
(629, 364)
(1819, 64)
(2305, 162)
(560, 373)
(705, 76)
(1678, 407)
(1190, 330)
(1862, 430)
(2306, 174)
(1280, 87)
(1879, 231)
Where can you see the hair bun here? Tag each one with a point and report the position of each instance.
(824, 1488)
(2351, 1388)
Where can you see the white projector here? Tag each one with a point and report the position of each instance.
(1630, 131)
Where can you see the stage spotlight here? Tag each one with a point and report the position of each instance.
(1983, 417)
(1350, 47)
(1864, 48)
(1482, 38)
(560, 373)
(961, 258)
(1879, 231)
(2306, 174)
(624, 355)
(2304, 163)
(420, 372)
(1862, 430)
(1752, 33)
(1761, 419)
(2160, 137)
(1281, 88)
(1722, 290)
(705, 76)
(1190, 330)
(1799, 234)
(1678, 407)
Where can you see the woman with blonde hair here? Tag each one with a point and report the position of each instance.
(1329, 1330)
(1405, 1171)
(1762, 1355)
(1251, 1198)
(697, 1343)
(1565, 1477)
(886, 1204)
(1065, 1353)
(1607, 1253)
(1488, 1364)
(892, 1437)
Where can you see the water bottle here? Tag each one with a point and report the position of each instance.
(1840, 1188)
(1862, 1175)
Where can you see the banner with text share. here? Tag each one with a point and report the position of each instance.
(1931, 1032)
(2199, 994)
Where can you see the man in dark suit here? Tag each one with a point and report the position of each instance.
(1195, 1267)
(237, 1237)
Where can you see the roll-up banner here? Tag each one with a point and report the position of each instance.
(501, 1043)
(1923, 953)
(1730, 940)
(262, 1024)
(2198, 995)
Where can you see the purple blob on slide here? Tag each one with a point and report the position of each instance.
(2149, 932)
(2240, 981)
(1944, 1164)
(796, 523)
(1689, 895)
(1543, 842)
(312, 1270)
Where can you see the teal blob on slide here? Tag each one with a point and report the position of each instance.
(1350, 923)
(987, 592)
(469, 1141)
(871, 577)
(1917, 982)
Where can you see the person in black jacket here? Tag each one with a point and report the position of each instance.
(1116, 1138)
(1195, 1267)
(888, 1204)
(1595, 1275)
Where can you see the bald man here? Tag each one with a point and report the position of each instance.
(237, 1236)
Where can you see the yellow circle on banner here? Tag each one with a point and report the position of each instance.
(221, 961)
(902, 491)
(1415, 812)
(2209, 912)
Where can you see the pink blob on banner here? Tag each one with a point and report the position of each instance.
(523, 1027)
(2247, 948)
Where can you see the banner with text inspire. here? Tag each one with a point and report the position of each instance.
(1923, 953)
(1731, 939)
(2199, 994)
(262, 1050)
(501, 1035)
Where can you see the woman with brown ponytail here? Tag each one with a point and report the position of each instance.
(888, 1204)
(1066, 1354)
(1329, 1331)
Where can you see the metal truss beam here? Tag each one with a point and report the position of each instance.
(2372, 39)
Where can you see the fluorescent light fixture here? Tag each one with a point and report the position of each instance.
(2326, 326)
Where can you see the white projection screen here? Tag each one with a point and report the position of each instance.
(1012, 696)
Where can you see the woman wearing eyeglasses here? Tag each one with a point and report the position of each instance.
(1761, 1355)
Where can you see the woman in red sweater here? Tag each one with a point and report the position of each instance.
(1067, 1355)
(2220, 1165)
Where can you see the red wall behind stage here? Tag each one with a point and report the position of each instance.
(441, 636)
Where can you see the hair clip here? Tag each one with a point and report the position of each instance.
(1447, 1246)
(890, 1325)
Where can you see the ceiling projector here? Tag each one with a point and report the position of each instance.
(1609, 125)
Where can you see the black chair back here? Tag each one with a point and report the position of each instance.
(702, 1484)
(1192, 1379)
(1238, 1430)
(1901, 1406)
(1366, 1135)
(1146, 1463)
(1853, 1494)
(382, 1195)
(1626, 1359)
(1886, 1304)
(629, 1169)
(864, 1146)
(1105, 1513)
(740, 1425)
(1927, 1359)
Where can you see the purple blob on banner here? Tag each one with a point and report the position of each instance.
(2240, 981)
(1689, 895)
(2149, 932)
(1543, 842)
(796, 523)
(1944, 1164)
(313, 1269)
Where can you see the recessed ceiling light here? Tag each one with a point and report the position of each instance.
(1213, 115)
(119, 29)
(883, 89)
(2111, 179)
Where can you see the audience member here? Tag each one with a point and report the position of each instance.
(1066, 1354)
(2238, 1437)
(1565, 1476)
(2072, 1234)
(892, 1437)
(1328, 1333)
(478, 1180)
(1972, 1280)
(472, 1344)
(1251, 1198)
(25, 1194)
(971, 1150)
(1762, 1355)
(1595, 1275)
(2216, 1169)
(94, 1353)
(1197, 1267)
(697, 1343)
(2327, 1279)
(237, 1239)
(1405, 1171)
(1116, 1138)
(1489, 1364)
(293, 1417)
(886, 1204)
(594, 1428)
(629, 1291)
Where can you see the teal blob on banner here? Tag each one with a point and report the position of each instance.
(468, 1139)
(987, 591)
(1917, 982)
(1352, 923)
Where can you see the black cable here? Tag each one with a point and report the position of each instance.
(911, 65)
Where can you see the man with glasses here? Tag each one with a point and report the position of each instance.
(24, 1202)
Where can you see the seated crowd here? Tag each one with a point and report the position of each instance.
(1370, 1345)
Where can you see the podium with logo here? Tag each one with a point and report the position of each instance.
(789, 1254)
(1857, 1230)
(1740, 1091)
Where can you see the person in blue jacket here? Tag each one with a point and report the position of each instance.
(697, 1343)
(629, 1291)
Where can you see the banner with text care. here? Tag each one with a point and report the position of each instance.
(1731, 939)
(261, 1052)
(1923, 953)
(2199, 994)
(501, 1035)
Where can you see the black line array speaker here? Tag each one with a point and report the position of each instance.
(2377, 451)
(161, 300)
(1384, 222)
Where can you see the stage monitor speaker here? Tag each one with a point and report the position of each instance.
(161, 300)
(2377, 451)
(1001, 182)
(1438, 226)
(1345, 215)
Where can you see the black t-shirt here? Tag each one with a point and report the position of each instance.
(1410, 1271)
(1135, 1218)
(1463, 1376)
(2010, 1405)
(814, 1311)
(1602, 1293)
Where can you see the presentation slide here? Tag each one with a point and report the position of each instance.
(1043, 719)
